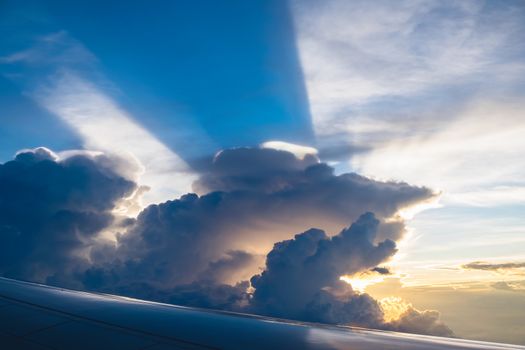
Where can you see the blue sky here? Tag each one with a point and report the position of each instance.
(248, 91)
(427, 92)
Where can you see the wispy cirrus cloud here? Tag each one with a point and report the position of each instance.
(512, 286)
(517, 268)
(357, 53)
(426, 90)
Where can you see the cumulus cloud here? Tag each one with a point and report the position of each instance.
(254, 197)
(226, 268)
(306, 185)
(420, 322)
(265, 170)
(51, 210)
(201, 250)
(350, 309)
(302, 281)
(298, 269)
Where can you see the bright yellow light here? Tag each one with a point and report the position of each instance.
(408, 213)
(361, 282)
(298, 150)
(393, 307)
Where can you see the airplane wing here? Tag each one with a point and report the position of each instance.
(34, 316)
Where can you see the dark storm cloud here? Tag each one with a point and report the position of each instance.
(223, 268)
(305, 190)
(501, 267)
(302, 281)
(259, 196)
(51, 209)
(202, 250)
(202, 293)
(297, 270)
(211, 295)
(263, 170)
(280, 172)
(349, 309)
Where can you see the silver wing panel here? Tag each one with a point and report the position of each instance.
(34, 316)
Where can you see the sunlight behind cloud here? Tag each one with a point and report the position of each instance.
(361, 281)
(393, 307)
(298, 150)
(408, 213)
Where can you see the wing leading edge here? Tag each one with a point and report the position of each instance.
(34, 316)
